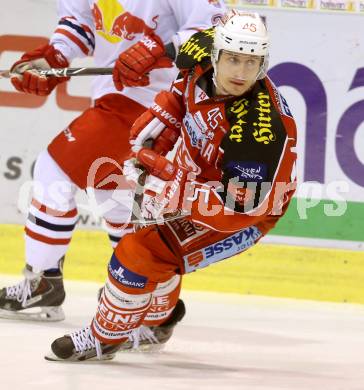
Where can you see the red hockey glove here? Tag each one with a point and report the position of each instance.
(132, 65)
(162, 123)
(25, 77)
(167, 180)
(157, 165)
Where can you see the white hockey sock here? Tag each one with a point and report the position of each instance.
(52, 215)
(47, 236)
(115, 207)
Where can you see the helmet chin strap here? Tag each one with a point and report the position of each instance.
(214, 59)
(221, 88)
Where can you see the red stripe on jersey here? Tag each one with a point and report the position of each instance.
(53, 212)
(118, 225)
(87, 29)
(74, 39)
(45, 239)
(84, 26)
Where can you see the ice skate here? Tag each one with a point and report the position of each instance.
(79, 346)
(154, 338)
(38, 297)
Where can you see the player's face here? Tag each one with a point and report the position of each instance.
(236, 73)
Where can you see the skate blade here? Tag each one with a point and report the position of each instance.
(51, 357)
(146, 348)
(44, 314)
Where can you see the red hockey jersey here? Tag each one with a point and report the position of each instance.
(241, 150)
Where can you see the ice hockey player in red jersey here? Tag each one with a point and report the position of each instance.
(231, 180)
(138, 38)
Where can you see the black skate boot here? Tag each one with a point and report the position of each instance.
(154, 338)
(79, 346)
(38, 297)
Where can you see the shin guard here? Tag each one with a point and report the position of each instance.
(164, 300)
(118, 314)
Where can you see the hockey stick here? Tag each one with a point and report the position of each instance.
(139, 190)
(158, 221)
(65, 72)
(170, 52)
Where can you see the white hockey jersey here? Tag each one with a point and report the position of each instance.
(105, 28)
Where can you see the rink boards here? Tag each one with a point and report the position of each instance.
(271, 270)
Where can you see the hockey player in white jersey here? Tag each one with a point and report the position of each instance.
(139, 39)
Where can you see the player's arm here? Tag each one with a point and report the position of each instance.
(134, 64)
(74, 35)
(72, 38)
(161, 123)
(193, 16)
(255, 188)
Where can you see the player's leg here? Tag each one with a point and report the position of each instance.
(73, 157)
(142, 273)
(100, 140)
(140, 262)
(50, 223)
(117, 206)
(198, 246)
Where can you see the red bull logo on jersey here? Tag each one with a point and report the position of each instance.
(127, 26)
(114, 24)
(98, 19)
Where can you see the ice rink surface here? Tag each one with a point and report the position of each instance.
(225, 342)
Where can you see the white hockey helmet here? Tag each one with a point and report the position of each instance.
(242, 32)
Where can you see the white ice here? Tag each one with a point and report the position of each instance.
(225, 341)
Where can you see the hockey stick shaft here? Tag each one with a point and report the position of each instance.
(65, 72)
(139, 190)
(71, 72)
